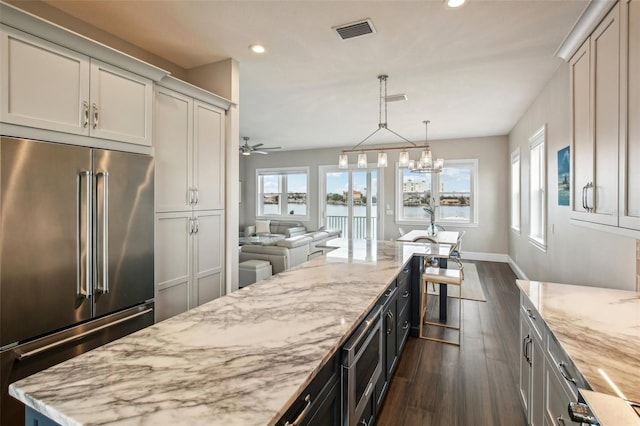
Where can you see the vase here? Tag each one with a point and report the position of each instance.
(432, 231)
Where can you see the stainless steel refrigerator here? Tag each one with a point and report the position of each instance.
(76, 254)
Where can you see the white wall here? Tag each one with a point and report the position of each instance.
(489, 240)
(575, 255)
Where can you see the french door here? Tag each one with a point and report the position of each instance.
(349, 201)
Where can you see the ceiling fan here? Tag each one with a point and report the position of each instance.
(247, 149)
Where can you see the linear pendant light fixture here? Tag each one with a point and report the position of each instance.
(424, 165)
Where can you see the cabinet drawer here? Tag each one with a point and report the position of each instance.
(533, 318)
(315, 393)
(404, 293)
(405, 273)
(556, 398)
(565, 368)
(404, 326)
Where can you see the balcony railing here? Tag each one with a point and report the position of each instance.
(359, 226)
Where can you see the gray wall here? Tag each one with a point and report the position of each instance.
(488, 241)
(575, 255)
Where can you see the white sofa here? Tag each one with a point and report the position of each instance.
(294, 249)
(283, 255)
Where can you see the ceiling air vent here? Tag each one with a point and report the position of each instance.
(355, 29)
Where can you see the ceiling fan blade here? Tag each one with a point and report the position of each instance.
(272, 147)
(260, 152)
(256, 145)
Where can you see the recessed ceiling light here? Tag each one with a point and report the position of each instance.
(454, 3)
(257, 48)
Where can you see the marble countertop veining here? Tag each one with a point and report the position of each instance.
(241, 359)
(598, 328)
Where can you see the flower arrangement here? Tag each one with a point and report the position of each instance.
(430, 209)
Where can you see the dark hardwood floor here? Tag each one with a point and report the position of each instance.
(475, 384)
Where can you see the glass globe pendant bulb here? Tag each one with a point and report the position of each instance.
(412, 165)
(382, 159)
(404, 159)
(362, 160)
(343, 161)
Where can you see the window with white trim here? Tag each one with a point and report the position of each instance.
(283, 193)
(538, 189)
(453, 193)
(515, 190)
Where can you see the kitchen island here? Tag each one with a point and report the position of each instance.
(239, 360)
(597, 330)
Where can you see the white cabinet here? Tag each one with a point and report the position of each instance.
(189, 141)
(189, 260)
(190, 180)
(46, 86)
(630, 125)
(531, 371)
(595, 94)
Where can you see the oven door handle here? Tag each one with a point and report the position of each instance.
(370, 321)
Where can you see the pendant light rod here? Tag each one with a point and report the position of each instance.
(384, 148)
(381, 124)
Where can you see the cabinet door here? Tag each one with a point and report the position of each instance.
(582, 141)
(208, 156)
(605, 59)
(526, 337)
(43, 85)
(173, 263)
(208, 256)
(537, 384)
(173, 140)
(630, 175)
(391, 336)
(121, 105)
(556, 398)
(327, 412)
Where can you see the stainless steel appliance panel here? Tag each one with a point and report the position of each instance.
(44, 232)
(124, 190)
(23, 360)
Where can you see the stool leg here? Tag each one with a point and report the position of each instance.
(423, 287)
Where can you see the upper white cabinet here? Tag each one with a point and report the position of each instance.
(49, 87)
(630, 138)
(190, 162)
(595, 95)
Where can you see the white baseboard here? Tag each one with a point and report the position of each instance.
(487, 257)
(516, 270)
(496, 257)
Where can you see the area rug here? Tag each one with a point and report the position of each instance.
(471, 288)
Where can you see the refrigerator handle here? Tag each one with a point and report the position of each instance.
(25, 355)
(85, 267)
(103, 284)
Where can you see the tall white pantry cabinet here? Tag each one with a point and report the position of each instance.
(189, 137)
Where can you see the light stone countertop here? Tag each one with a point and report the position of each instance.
(598, 328)
(241, 359)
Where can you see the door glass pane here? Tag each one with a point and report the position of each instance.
(297, 194)
(337, 212)
(374, 205)
(359, 199)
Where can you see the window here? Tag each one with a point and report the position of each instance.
(453, 192)
(283, 193)
(515, 190)
(537, 193)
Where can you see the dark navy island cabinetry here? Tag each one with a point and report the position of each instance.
(323, 401)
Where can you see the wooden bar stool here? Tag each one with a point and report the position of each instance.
(440, 276)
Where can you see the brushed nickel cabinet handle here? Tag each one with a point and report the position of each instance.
(533, 317)
(85, 114)
(302, 414)
(562, 367)
(95, 116)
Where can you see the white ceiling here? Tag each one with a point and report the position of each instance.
(472, 71)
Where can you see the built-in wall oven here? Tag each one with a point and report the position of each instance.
(361, 367)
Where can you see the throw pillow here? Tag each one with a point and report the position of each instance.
(262, 226)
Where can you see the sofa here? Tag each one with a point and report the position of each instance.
(297, 246)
